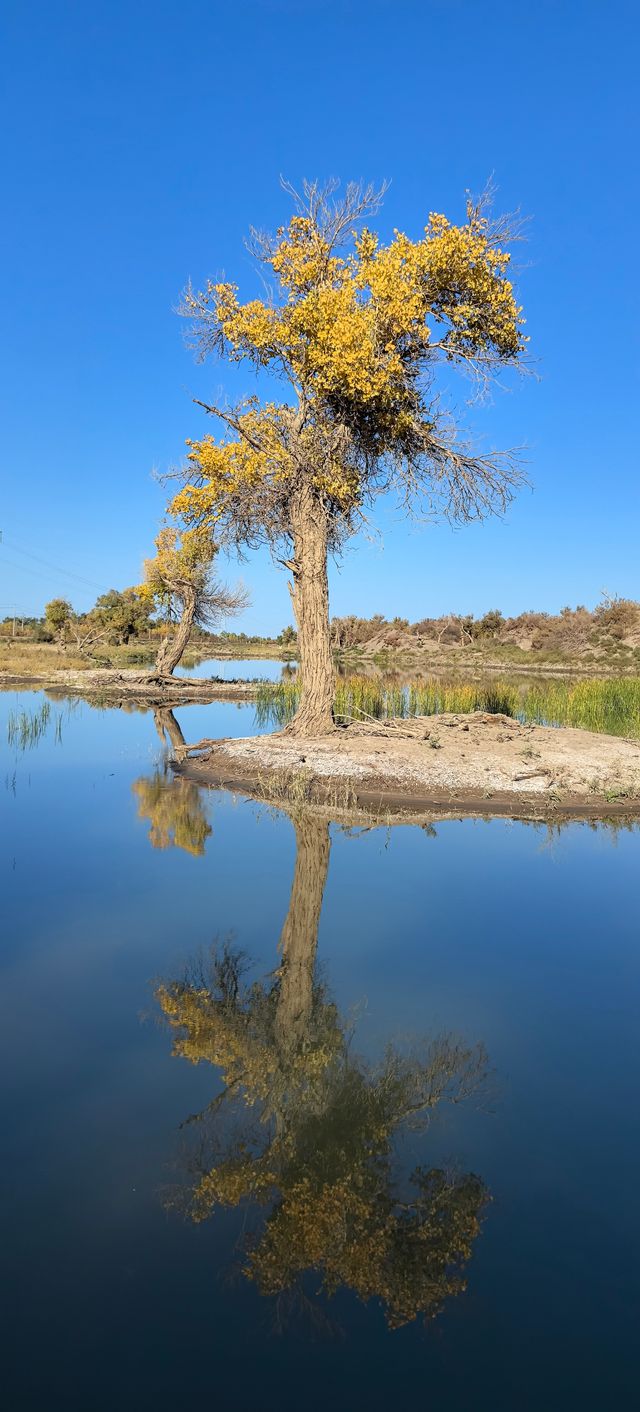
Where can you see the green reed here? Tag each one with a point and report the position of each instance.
(612, 707)
(26, 728)
(606, 706)
(431, 698)
(361, 698)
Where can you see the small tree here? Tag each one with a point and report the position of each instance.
(179, 579)
(122, 614)
(58, 617)
(467, 628)
(490, 624)
(619, 616)
(356, 331)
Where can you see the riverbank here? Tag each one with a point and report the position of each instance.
(447, 765)
(99, 684)
(23, 659)
(42, 663)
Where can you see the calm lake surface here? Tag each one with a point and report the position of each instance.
(346, 986)
(240, 668)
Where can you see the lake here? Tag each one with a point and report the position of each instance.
(240, 668)
(296, 1115)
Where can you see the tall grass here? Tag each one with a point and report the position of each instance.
(431, 698)
(612, 707)
(360, 698)
(606, 706)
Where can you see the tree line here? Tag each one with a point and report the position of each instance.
(120, 617)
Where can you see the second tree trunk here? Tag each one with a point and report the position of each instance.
(172, 648)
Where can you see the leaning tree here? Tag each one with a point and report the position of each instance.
(180, 580)
(356, 331)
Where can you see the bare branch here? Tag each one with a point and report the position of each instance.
(333, 220)
(232, 420)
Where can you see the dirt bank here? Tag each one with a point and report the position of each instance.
(109, 685)
(440, 765)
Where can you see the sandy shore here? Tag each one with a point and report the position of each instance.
(441, 765)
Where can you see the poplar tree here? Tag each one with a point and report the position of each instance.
(355, 330)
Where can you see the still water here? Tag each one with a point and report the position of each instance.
(241, 668)
(299, 1116)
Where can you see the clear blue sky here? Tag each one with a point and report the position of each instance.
(141, 139)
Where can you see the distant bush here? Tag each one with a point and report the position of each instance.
(573, 632)
(490, 625)
(620, 617)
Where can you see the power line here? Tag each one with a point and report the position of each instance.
(25, 569)
(69, 573)
(55, 568)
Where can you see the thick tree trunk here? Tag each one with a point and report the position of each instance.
(310, 597)
(172, 648)
(299, 936)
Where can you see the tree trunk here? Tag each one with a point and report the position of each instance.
(172, 648)
(310, 597)
(299, 937)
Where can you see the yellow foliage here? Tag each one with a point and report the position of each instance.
(182, 557)
(352, 334)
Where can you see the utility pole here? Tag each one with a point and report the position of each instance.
(11, 610)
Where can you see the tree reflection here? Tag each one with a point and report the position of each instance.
(168, 728)
(173, 806)
(305, 1128)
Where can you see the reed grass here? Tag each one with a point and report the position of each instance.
(361, 698)
(25, 729)
(609, 706)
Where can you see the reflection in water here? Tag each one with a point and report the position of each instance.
(305, 1128)
(168, 727)
(174, 807)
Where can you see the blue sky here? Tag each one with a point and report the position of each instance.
(140, 142)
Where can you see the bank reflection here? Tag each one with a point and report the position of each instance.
(302, 1133)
